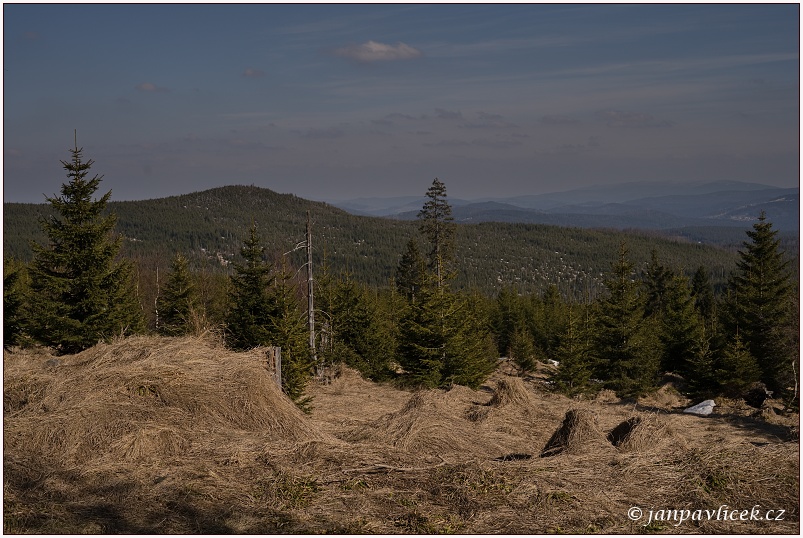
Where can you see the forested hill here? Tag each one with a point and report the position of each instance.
(210, 226)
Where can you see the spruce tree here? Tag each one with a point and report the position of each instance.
(437, 226)
(625, 342)
(443, 340)
(250, 306)
(470, 353)
(522, 350)
(15, 297)
(81, 292)
(507, 317)
(177, 304)
(286, 328)
(681, 327)
(423, 337)
(656, 280)
(738, 369)
(575, 361)
(443, 337)
(359, 338)
(410, 272)
(759, 309)
(700, 371)
(552, 320)
(265, 311)
(703, 294)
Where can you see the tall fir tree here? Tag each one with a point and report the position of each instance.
(437, 225)
(626, 343)
(177, 304)
(81, 292)
(759, 307)
(443, 337)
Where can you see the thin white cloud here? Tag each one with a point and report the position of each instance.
(373, 51)
(150, 87)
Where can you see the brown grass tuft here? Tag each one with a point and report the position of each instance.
(667, 398)
(428, 422)
(642, 432)
(578, 430)
(510, 391)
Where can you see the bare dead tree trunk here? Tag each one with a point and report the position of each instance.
(311, 297)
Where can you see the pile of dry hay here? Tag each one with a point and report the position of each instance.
(431, 422)
(514, 416)
(579, 431)
(142, 398)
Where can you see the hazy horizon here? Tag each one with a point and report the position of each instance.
(337, 102)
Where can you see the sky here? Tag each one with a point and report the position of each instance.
(334, 102)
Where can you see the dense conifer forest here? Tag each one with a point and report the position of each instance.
(424, 303)
(209, 227)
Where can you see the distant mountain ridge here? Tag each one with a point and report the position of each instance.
(649, 206)
(209, 228)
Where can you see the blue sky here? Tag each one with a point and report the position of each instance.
(343, 101)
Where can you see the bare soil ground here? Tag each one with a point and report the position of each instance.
(157, 435)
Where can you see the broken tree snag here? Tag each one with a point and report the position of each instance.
(275, 364)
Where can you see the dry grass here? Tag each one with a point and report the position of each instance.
(156, 435)
(430, 422)
(578, 432)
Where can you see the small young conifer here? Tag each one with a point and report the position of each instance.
(82, 292)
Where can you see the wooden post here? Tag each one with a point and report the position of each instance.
(275, 362)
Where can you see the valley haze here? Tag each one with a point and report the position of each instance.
(645, 205)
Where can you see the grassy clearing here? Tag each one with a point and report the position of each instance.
(157, 435)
